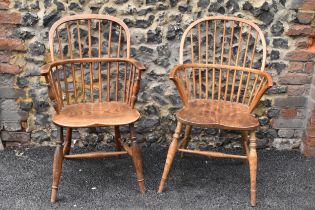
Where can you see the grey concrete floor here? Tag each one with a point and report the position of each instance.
(286, 180)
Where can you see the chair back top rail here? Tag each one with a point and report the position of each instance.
(74, 37)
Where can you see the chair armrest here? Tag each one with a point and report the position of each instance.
(262, 83)
(44, 70)
(261, 91)
(179, 83)
(136, 63)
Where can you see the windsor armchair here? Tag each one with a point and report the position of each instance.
(220, 80)
(92, 81)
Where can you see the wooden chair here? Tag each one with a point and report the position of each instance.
(220, 80)
(92, 82)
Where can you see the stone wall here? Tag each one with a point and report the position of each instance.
(156, 28)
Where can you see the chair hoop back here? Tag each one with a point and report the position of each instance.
(224, 40)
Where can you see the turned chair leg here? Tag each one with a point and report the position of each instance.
(252, 159)
(245, 148)
(67, 144)
(186, 138)
(57, 167)
(170, 156)
(117, 136)
(137, 159)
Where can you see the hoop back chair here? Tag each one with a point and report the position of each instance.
(220, 80)
(92, 82)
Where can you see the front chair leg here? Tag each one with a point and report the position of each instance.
(170, 156)
(67, 144)
(137, 159)
(186, 138)
(57, 167)
(252, 159)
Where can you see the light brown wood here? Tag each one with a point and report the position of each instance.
(252, 159)
(95, 155)
(57, 167)
(212, 154)
(255, 87)
(87, 87)
(170, 156)
(217, 114)
(227, 88)
(136, 158)
(96, 114)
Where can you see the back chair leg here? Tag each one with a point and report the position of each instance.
(57, 167)
(137, 159)
(170, 156)
(252, 158)
(67, 144)
(186, 138)
(245, 148)
(117, 136)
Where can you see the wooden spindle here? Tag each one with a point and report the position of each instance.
(117, 65)
(226, 83)
(246, 87)
(193, 61)
(240, 39)
(81, 65)
(133, 77)
(233, 85)
(244, 63)
(262, 80)
(231, 44)
(247, 45)
(214, 58)
(58, 86)
(199, 60)
(253, 89)
(63, 66)
(240, 87)
(199, 44)
(129, 85)
(187, 83)
(222, 55)
(254, 50)
(55, 90)
(207, 41)
(99, 63)
(71, 57)
(214, 42)
(90, 55)
(229, 61)
(108, 65)
(125, 82)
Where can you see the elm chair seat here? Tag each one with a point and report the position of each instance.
(96, 114)
(217, 114)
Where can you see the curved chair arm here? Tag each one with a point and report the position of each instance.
(179, 82)
(54, 93)
(47, 67)
(260, 92)
(263, 80)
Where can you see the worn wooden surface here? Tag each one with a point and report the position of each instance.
(92, 83)
(220, 79)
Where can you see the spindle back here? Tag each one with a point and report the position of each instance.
(91, 65)
(87, 36)
(224, 40)
(222, 58)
